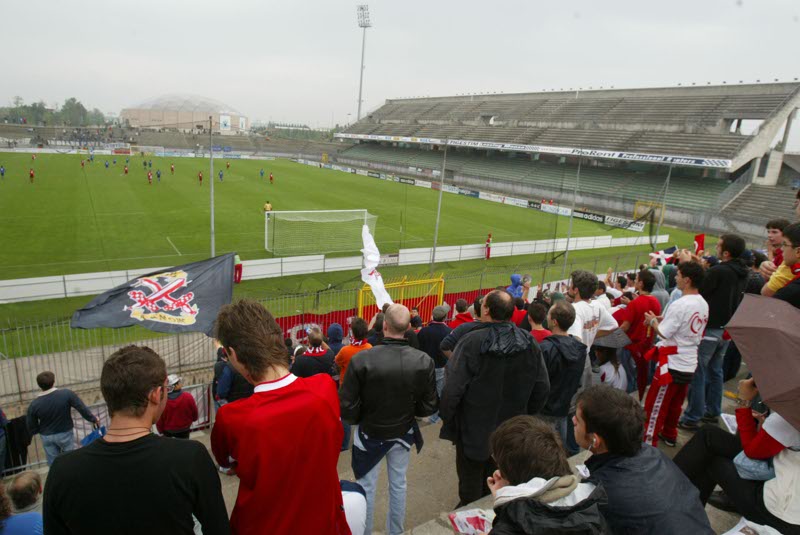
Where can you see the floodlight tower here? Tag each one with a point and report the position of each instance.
(363, 22)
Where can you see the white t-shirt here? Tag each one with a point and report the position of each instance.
(603, 300)
(782, 493)
(590, 317)
(614, 377)
(683, 326)
(616, 294)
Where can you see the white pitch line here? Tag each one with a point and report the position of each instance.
(173, 246)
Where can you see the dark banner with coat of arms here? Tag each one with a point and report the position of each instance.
(184, 298)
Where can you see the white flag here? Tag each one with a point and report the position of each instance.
(370, 273)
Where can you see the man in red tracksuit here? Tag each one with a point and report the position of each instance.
(681, 331)
(631, 321)
(180, 412)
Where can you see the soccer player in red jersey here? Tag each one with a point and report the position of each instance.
(200, 177)
(126, 169)
(31, 175)
(271, 179)
(83, 164)
(172, 168)
(150, 177)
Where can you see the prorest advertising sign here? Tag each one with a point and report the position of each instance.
(589, 216)
(621, 222)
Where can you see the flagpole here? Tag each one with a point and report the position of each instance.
(663, 203)
(572, 214)
(211, 177)
(438, 209)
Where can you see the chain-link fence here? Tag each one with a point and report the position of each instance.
(76, 356)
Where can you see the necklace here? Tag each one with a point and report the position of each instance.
(114, 434)
(127, 434)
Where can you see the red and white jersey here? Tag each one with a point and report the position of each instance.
(683, 327)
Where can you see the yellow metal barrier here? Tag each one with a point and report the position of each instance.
(425, 294)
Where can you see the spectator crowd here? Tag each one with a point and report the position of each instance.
(517, 382)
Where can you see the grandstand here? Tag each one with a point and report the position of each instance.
(530, 144)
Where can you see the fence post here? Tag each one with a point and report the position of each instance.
(178, 343)
(19, 384)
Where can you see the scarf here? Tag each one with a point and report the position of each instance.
(318, 351)
(358, 343)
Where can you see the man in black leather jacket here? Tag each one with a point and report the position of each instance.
(496, 372)
(384, 389)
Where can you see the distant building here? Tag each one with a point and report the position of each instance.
(185, 113)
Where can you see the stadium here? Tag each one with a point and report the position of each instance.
(458, 191)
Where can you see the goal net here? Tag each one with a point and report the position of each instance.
(315, 231)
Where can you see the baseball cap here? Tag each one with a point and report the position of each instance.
(440, 312)
(173, 379)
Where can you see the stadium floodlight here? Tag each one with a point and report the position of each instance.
(364, 22)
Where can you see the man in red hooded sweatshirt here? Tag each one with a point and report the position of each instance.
(462, 316)
(180, 412)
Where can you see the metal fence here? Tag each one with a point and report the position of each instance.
(21, 457)
(77, 356)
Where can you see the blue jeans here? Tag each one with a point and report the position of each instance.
(56, 444)
(2, 454)
(397, 464)
(705, 392)
(627, 363)
(346, 439)
(439, 388)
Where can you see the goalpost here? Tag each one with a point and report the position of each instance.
(305, 232)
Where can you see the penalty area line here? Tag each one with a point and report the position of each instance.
(173, 246)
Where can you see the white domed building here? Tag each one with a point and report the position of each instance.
(185, 113)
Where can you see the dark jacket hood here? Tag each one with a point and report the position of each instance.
(530, 516)
(568, 347)
(505, 339)
(736, 265)
(335, 333)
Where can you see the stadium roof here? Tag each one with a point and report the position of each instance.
(690, 126)
(185, 102)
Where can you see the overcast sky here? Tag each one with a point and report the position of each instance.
(298, 61)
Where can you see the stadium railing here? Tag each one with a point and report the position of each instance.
(76, 356)
(33, 456)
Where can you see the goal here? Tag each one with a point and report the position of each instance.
(306, 232)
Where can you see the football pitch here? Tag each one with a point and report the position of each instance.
(81, 220)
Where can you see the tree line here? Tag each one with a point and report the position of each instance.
(71, 113)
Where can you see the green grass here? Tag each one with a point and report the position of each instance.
(81, 221)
